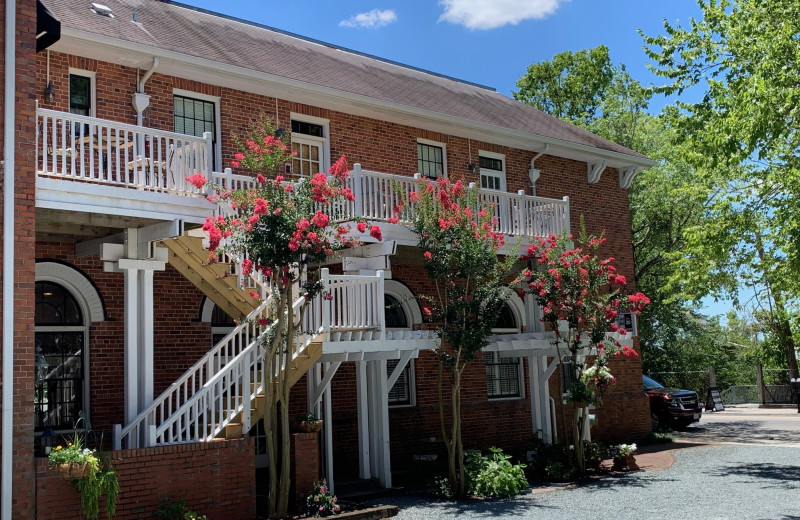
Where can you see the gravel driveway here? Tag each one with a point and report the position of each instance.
(709, 482)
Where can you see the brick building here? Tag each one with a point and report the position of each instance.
(117, 316)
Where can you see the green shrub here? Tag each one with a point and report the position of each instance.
(560, 472)
(177, 511)
(493, 475)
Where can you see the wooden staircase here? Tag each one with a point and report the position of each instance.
(220, 283)
(217, 280)
(300, 365)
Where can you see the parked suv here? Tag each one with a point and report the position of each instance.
(671, 406)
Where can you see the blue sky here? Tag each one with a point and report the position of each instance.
(490, 42)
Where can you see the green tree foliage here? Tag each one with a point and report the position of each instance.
(743, 56)
(665, 199)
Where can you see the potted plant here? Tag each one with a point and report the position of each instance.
(89, 472)
(308, 423)
(624, 459)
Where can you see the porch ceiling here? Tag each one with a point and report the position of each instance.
(55, 225)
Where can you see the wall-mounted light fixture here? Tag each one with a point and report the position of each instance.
(473, 168)
(280, 132)
(50, 93)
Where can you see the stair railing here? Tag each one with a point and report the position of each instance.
(138, 432)
(229, 393)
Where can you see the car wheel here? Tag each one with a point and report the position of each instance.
(655, 422)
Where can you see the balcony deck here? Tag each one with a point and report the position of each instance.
(138, 175)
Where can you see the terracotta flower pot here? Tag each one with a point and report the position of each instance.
(625, 463)
(310, 427)
(73, 470)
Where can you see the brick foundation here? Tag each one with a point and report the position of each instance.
(305, 465)
(216, 479)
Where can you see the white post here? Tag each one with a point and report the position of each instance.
(208, 164)
(228, 178)
(523, 214)
(373, 419)
(545, 399)
(131, 313)
(384, 453)
(328, 434)
(380, 303)
(151, 436)
(363, 420)
(116, 434)
(326, 304)
(358, 191)
(567, 226)
(536, 397)
(246, 393)
(146, 322)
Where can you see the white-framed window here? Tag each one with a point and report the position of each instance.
(431, 159)
(492, 170)
(504, 375)
(82, 92)
(193, 114)
(66, 303)
(310, 145)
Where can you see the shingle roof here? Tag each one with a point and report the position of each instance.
(195, 32)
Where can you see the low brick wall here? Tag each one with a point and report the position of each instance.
(216, 479)
(305, 465)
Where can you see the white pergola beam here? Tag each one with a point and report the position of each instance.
(401, 365)
(324, 384)
(94, 247)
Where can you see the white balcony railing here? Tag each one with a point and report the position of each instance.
(377, 196)
(99, 151)
(96, 150)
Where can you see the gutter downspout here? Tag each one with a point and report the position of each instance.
(533, 173)
(140, 99)
(9, 146)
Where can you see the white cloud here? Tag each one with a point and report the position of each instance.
(490, 14)
(371, 19)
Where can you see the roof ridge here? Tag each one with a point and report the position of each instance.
(324, 43)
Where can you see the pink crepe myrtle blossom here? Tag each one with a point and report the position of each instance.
(197, 180)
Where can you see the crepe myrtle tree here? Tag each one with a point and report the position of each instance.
(581, 295)
(459, 248)
(279, 227)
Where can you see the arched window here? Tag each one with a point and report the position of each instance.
(504, 378)
(60, 340)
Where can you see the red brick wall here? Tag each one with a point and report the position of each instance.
(216, 479)
(23, 231)
(305, 465)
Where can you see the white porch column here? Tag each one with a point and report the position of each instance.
(146, 323)
(362, 400)
(544, 408)
(131, 368)
(328, 433)
(384, 453)
(535, 393)
(373, 419)
(138, 282)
